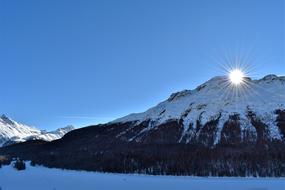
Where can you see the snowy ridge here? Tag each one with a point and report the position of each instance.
(218, 99)
(13, 132)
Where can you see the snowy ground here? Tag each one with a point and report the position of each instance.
(40, 178)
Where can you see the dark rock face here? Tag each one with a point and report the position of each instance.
(207, 134)
(157, 149)
(133, 133)
(261, 129)
(6, 119)
(231, 132)
(168, 133)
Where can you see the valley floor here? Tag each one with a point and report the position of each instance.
(40, 178)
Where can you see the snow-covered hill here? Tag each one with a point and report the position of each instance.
(13, 132)
(250, 104)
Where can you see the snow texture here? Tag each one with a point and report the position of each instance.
(35, 178)
(219, 98)
(11, 131)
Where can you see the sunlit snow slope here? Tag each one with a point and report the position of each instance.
(218, 100)
(13, 132)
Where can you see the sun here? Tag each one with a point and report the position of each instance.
(236, 76)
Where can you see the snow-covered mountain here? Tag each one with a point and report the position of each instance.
(13, 132)
(214, 111)
(217, 129)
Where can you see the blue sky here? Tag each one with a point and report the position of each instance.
(86, 62)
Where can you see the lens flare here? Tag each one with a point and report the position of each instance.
(236, 76)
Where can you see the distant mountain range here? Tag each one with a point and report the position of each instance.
(13, 132)
(217, 129)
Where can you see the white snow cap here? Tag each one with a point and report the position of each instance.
(11, 131)
(217, 97)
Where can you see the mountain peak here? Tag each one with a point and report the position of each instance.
(269, 77)
(3, 116)
(65, 129)
(12, 132)
(7, 119)
(217, 100)
(70, 127)
(272, 77)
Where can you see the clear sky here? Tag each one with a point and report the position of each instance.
(85, 62)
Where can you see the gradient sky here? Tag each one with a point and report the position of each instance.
(85, 62)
